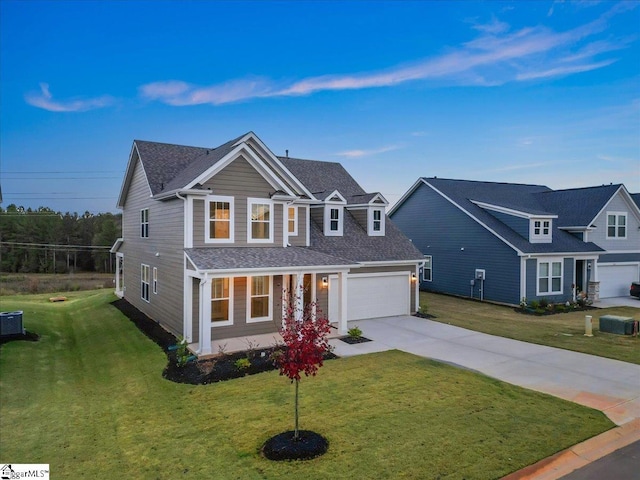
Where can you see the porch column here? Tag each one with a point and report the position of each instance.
(342, 303)
(594, 282)
(187, 308)
(299, 297)
(205, 317)
(119, 258)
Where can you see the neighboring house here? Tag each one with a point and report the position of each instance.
(214, 238)
(505, 242)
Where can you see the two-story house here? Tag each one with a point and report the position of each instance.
(215, 238)
(505, 242)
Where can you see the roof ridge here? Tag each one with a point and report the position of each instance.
(486, 182)
(617, 185)
(307, 160)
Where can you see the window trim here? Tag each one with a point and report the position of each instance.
(144, 223)
(260, 201)
(229, 320)
(371, 222)
(327, 220)
(269, 317)
(424, 269)
(207, 218)
(293, 232)
(550, 277)
(154, 280)
(541, 237)
(145, 268)
(617, 225)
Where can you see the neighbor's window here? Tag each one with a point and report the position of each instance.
(616, 225)
(549, 277)
(144, 282)
(260, 221)
(220, 296)
(144, 223)
(260, 299)
(219, 219)
(427, 269)
(155, 280)
(292, 220)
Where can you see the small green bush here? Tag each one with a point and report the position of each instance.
(242, 363)
(355, 332)
(540, 311)
(183, 355)
(544, 303)
(535, 304)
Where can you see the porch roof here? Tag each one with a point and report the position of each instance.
(245, 258)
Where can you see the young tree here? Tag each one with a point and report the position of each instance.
(305, 338)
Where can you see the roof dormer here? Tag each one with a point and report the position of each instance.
(334, 214)
(369, 211)
(540, 229)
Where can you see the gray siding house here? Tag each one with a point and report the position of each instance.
(215, 238)
(505, 242)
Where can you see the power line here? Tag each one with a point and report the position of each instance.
(59, 178)
(24, 172)
(52, 245)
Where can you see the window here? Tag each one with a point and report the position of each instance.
(616, 225)
(219, 219)
(541, 227)
(220, 304)
(540, 231)
(144, 223)
(155, 280)
(549, 277)
(292, 220)
(259, 299)
(260, 224)
(144, 282)
(375, 222)
(334, 223)
(427, 269)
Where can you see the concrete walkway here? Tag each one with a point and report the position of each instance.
(608, 385)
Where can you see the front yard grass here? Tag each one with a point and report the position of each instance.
(562, 330)
(89, 399)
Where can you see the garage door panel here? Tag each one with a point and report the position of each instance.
(377, 296)
(616, 279)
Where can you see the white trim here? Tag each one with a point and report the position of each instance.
(512, 212)
(631, 203)
(154, 280)
(523, 277)
(116, 245)
(371, 220)
(188, 222)
(562, 254)
(249, 296)
(272, 218)
(207, 218)
(187, 305)
(616, 225)
(308, 225)
(128, 176)
(143, 267)
(550, 277)
(616, 252)
(430, 268)
(229, 321)
(540, 237)
(327, 220)
(295, 220)
(390, 263)
(119, 290)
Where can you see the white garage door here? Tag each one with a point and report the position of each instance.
(616, 279)
(372, 296)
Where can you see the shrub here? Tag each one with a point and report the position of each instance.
(544, 303)
(523, 303)
(355, 332)
(183, 355)
(535, 304)
(242, 363)
(540, 311)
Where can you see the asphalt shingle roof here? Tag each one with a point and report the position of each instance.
(524, 198)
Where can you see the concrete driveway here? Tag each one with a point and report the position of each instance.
(628, 301)
(608, 385)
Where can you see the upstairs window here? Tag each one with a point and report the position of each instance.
(540, 231)
(427, 269)
(260, 221)
(292, 220)
(219, 219)
(616, 225)
(549, 277)
(144, 223)
(144, 282)
(375, 223)
(155, 280)
(333, 220)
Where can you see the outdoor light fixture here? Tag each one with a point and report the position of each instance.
(324, 281)
(413, 277)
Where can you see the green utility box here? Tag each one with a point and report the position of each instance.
(616, 324)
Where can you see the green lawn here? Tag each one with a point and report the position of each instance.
(89, 399)
(563, 330)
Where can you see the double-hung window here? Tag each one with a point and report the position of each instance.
(616, 225)
(144, 282)
(292, 220)
(219, 219)
(427, 269)
(144, 223)
(334, 220)
(549, 277)
(259, 299)
(155, 280)
(260, 228)
(220, 302)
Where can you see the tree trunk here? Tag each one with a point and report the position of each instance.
(296, 435)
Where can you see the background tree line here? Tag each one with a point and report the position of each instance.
(45, 241)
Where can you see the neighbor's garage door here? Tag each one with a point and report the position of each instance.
(616, 279)
(373, 296)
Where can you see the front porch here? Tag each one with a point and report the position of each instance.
(239, 344)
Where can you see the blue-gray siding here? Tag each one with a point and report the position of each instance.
(567, 281)
(458, 246)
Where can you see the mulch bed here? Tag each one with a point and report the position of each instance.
(530, 311)
(424, 315)
(354, 340)
(199, 372)
(284, 447)
(27, 335)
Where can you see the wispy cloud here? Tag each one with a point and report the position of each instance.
(43, 99)
(496, 56)
(528, 166)
(366, 153)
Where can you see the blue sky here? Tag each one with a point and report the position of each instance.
(531, 92)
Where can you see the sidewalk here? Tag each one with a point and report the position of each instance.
(610, 386)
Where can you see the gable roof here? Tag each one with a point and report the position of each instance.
(636, 198)
(520, 197)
